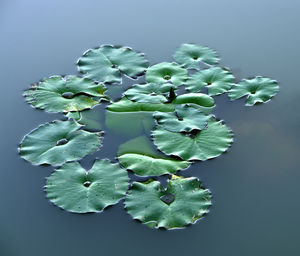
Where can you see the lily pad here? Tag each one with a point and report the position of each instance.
(139, 156)
(196, 100)
(166, 72)
(189, 55)
(203, 145)
(126, 105)
(107, 63)
(184, 119)
(74, 189)
(257, 90)
(58, 142)
(144, 165)
(183, 202)
(217, 81)
(149, 93)
(64, 94)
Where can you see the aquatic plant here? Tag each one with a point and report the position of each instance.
(173, 106)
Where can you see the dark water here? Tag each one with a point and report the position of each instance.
(255, 185)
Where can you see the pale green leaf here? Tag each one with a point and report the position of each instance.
(74, 189)
(126, 105)
(189, 55)
(257, 90)
(166, 72)
(217, 81)
(139, 155)
(107, 63)
(64, 94)
(196, 100)
(203, 145)
(148, 93)
(184, 119)
(183, 202)
(58, 142)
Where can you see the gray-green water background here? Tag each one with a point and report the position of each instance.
(255, 185)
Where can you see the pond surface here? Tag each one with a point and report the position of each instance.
(255, 185)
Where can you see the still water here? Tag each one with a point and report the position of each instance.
(255, 184)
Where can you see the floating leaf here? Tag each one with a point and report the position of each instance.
(58, 142)
(63, 94)
(189, 55)
(166, 72)
(149, 93)
(257, 90)
(73, 189)
(126, 105)
(184, 119)
(139, 156)
(182, 203)
(106, 63)
(203, 145)
(144, 165)
(216, 79)
(197, 100)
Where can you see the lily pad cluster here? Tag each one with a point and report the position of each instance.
(167, 119)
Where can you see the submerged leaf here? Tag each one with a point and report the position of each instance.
(58, 142)
(197, 100)
(203, 145)
(73, 189)
(216, 79)
(182, 203)
(107, 63)
(129, 123)
(189, 55)
(139, 156)
(184, 119)
(64, 94)
(166, 72)
(91, 119)
(149, 93)
(257, 90)
(138, 145)
(126, 105)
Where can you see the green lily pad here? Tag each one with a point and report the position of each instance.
(126, 105)
(203, 145)
(144, 165)
(58, 142)
(64, 94)
(166, 72)
(73, 189)
(107, 63)
(189, 55)
(217, 81)
(183, 202)
(257, 90)
(196, 100)
(139, 156)
(149, 93)
(184, 119)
